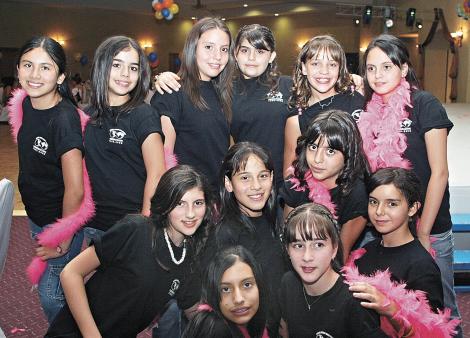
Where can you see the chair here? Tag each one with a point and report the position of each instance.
(6, 211)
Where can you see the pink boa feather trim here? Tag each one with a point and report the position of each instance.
(379, 126)
(64, 228)
(414, 308)
(318, 193)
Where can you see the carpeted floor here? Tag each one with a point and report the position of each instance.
(20, 312)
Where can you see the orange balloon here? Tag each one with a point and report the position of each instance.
(167, 3)
(158, 6)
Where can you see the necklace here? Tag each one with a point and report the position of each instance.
(167, 239)
(309, 306)
(326, 104)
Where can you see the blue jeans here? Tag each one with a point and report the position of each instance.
(444, 246)
(91, 234)
(50, 291)
(170, 324)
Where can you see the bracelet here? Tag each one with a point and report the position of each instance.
(59, 250)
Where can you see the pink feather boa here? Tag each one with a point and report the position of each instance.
(64, 228)
(317, 192)
(379, 126)
(414, 308)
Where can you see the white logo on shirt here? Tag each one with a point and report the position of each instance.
(116, 136)
(405, 126)
(275, 97)
(323, 334)
(356, 115)
(40, 145)
(174, 287)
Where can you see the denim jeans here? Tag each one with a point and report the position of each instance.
(50, 291)
(91, 234)
(171, 324)
(444, 245)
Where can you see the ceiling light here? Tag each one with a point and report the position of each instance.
(419, 23)
(276, 14)
(245, 5)
(367, 15)
(223, 19)
(389, 23)
(410, 17)
(357, 22)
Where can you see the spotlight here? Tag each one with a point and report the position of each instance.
(419, 23)
(410, 17)
(388, 23)
(367, 15)
(388, 17)
(357, 22)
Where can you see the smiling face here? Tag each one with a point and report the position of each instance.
(322, 73)
(39, 76)
(123, 76)
(382, 74)
(187, 216)
(251, 186)
(253, 62)
(212, 53)
(239, 294)
(389, 211)
(324, 162)
(311, 259)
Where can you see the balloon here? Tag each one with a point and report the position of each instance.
(153, 57)
(84, 60)
(155, 64)
(177, 62)
(154, 2)
(174, 8)
(158, 15)
(169, 17)
(158, 6)
(165, 12)
(167, 3)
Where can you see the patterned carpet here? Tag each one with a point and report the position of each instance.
(20, 312)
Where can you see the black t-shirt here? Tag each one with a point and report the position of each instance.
(350, 102)
(347, 208)
(259, 116)
(116, 165)
(334, 314)
(129, 288)
(202, 136)
(409, 263)
(45, 135)
(428, 113)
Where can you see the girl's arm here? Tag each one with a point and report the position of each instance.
(169, 132)
(71, 278)
(291, 134)
(350, 232)
(283, 331)
(436, 149)
(72, 173)
(154, 160)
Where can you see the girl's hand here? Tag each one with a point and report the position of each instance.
(46, 253)
(374, 299)
(358, 83)
(425, 241)
(167, 81)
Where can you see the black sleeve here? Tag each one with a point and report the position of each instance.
(424, 275)
(357, 103)
(116, 243)
(67, 132)
(145, 122)
(354, 204)
(287, 286)
(292, 197)
(169, 105)
(363, 323)
(430, 113)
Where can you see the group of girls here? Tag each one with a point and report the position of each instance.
(124, 142)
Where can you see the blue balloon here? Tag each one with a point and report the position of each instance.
(169, 16)
(177, 62)
(153, 57)
(165, 12)
(84, 60)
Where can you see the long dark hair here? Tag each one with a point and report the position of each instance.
(235, 160)
(189, 71)
(405, 181)
(261, 37)
(211, 287)
(340, 131)
(396, 50)
(172, 186)
(101, 70)
(57, 54)
(301, 90)
(313, 220)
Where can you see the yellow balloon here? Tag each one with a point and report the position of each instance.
(174, 8)
(158, 15)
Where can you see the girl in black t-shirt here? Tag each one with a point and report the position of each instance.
(330, 169)
(234, 299)
(141, 263)
(315, 301)
(407, 127)
(397, 265)
(48, 129)
(321, 82)
(124, 139)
